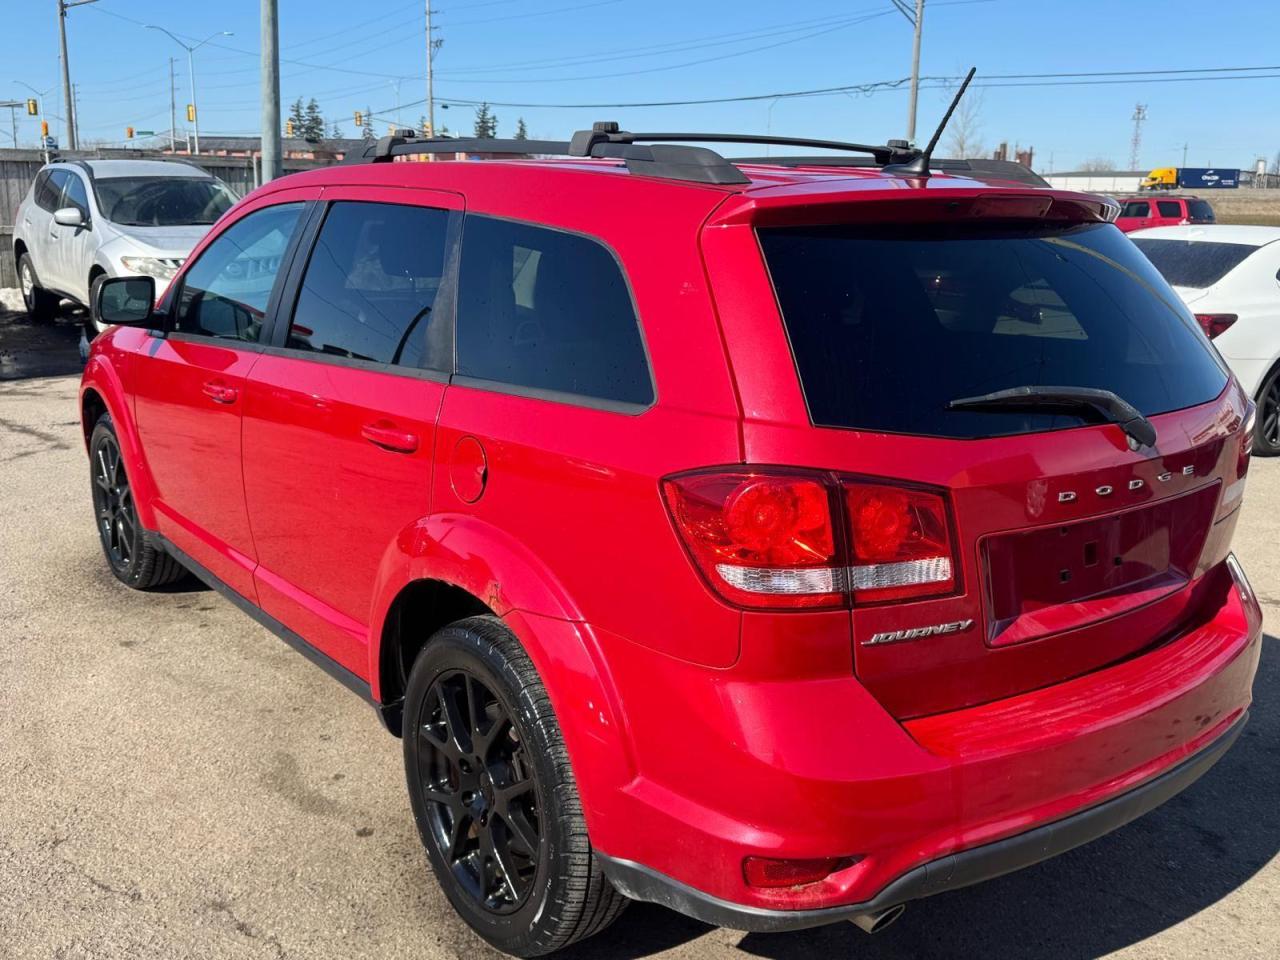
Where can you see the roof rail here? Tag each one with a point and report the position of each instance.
(651, 154)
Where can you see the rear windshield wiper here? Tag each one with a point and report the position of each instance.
(1112, 408)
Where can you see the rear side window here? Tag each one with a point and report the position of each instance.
(225, 293)
(1169, 208)
(1193, 263)
(49, 189)
(549, 311)
(371, 286)
(1136, 208)
(888, 324)
(1199, 211)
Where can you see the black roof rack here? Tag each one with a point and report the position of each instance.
(975, 168)
(652, 154)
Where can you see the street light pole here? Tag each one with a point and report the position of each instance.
(915, 72)
(67, 96)
(191, 70)
(431, 93)
(40, 104)
(270, 91)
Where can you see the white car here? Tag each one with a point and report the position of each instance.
(1230, 278)
(85, 219)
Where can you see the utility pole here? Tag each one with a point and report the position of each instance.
(173, 112)
(1184, 154)
(431, 92)
(1139, 116)
(193, 111)
(270, 91)
(67, 96)
(916, 19)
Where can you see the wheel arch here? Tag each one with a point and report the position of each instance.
(102, 392)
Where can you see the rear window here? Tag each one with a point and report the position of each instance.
(1199, 211)
(1193, 263)
(1169, 208)
(888, 324)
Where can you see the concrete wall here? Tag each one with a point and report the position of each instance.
(19, 167)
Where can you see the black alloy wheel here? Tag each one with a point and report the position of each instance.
(113, 505)
(478, 783)
(1266, 438)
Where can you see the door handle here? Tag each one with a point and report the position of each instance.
(219, 392)
(389, 438)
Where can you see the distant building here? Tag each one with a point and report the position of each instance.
(1097, 181)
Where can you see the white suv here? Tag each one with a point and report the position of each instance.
(85, 219)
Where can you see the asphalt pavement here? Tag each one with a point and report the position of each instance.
(176, 782)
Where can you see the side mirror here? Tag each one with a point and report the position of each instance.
(125, 301)
(68, 217)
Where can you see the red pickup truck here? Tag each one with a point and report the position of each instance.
(1139, 213)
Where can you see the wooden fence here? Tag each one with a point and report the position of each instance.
(19, 167)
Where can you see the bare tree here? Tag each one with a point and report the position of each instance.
(1098, 165)
(964, 132)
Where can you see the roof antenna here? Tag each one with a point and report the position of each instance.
(918, 167)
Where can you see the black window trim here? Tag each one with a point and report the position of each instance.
(276, 331)
(561, 396)
(165, 312)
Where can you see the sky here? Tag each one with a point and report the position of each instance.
(555, 60)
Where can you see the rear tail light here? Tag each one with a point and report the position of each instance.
(1247, 427)
(785, 539)
(1215, 324)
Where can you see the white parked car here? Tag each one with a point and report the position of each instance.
(85, 219)
(1230, 278)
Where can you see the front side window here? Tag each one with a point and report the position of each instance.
(75, 195)
(371, 285)
(225, 293)
(49, 189)
(547, 310)
(889, 324)
(162, 201)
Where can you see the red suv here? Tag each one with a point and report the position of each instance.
(775, 541)
(1139, 213)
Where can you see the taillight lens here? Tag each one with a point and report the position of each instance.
(774, 538)
(1247, 428)
(900, 542)
(1215, 324)
(761, 539)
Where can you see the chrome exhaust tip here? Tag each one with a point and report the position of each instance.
(878, 920)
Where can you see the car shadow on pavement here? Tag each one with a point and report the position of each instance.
(29, 349)
(1121, 889)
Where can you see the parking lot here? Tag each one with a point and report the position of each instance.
(175, 782)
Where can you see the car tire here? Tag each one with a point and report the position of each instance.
(41, 304)
(132, 551)
(1266, 431)
(494, 796)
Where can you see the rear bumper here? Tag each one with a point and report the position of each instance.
(937, 876)
(730, 766)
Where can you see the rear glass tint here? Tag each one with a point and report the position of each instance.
(1169, 208)
(888, 324)
(1193, 263)
(1199, 211)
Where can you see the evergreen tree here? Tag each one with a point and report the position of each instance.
(298, 117)
(366, 131)
(522, 132)
(335, 133)
(486, 127)
(313, 122)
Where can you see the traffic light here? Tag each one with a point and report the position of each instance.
(288, 128)
(44, 129)
(128, 133)
(359, 119)
(191, 113)
(33, 108)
